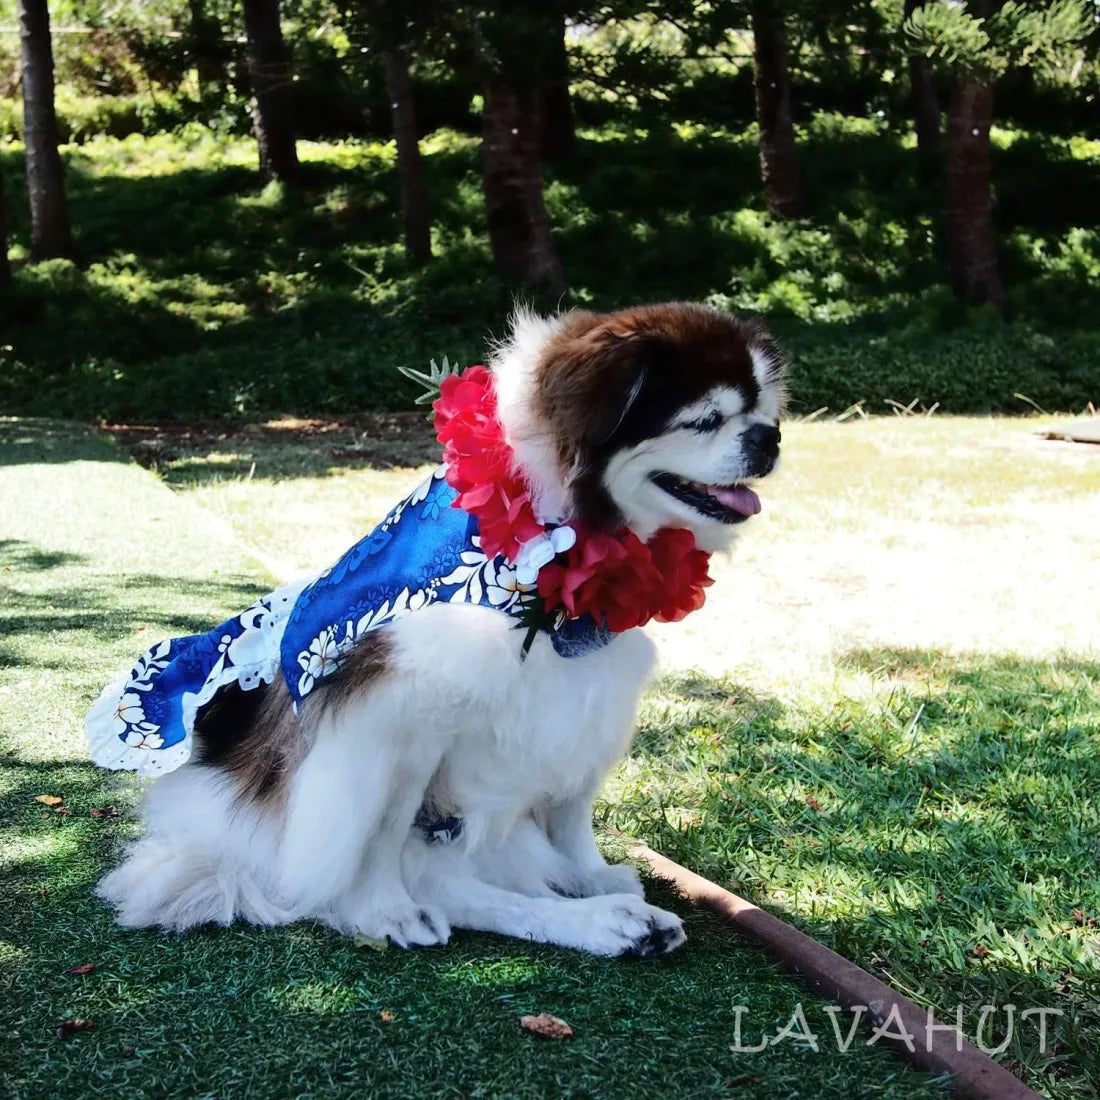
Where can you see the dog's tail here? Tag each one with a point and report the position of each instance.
(157, 886)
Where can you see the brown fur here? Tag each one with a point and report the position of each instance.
(256, 737)
(366, 662)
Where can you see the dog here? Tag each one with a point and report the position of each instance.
(441, 778)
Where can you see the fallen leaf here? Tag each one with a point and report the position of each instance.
(980, 950)
(128, 1052)
(87, 968)
(48, 799)
(64, 810)
(103, 811)
(365, 941)
(549, 1027)
(813, 804)
(387, 1015)
(68, 1027)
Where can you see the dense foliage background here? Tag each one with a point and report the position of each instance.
(200, 283)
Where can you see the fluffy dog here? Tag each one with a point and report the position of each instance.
(649, 418)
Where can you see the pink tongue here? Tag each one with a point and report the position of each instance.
(738, 499)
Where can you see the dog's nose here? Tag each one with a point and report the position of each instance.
(760, 446)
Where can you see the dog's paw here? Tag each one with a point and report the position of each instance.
(620, 878)
(624, 925)
(408, 925)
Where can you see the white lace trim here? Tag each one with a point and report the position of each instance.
(108, 750)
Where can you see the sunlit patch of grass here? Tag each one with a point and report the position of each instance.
(500, 972)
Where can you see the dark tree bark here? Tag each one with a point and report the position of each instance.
(778, 160)
(206, 48)
(559, 138)
(924, 103)
(50, 231)
(519, 226)
(410, 171)
(5, 264)
(272, 99)
(971, 241)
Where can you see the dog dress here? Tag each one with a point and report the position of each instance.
(424, 552)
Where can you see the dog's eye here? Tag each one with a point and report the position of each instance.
(709, 423)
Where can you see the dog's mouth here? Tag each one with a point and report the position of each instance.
(725, 503)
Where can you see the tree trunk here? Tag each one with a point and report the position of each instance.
(5, 264)
(519, 226)
(924, 103)
(559, 137)
(206, 48)
(272, 100)
(778, 161)
(410, 171)
(971, 242)
(50, 232)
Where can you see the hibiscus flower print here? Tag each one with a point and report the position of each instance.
(138, 740)
(128, 713)
(317, 662)
(502, 587)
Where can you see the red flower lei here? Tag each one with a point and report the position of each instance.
(618, 579)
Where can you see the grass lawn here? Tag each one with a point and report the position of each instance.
(98, 560)
(884, 725)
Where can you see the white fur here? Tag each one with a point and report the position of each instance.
(513, 361)
(712, 458)
(519, 748)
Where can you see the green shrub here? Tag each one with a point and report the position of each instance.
(201, 293)
(81, 117)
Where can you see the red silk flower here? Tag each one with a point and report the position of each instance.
(618, 579)
(624, 582)
(479, 463)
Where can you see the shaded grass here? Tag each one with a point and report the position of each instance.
(935, 817)
(200, 294)
(927, 811)
(99, 561)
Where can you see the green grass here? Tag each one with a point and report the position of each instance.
(97, 560)
(199, 294)
(895, 747)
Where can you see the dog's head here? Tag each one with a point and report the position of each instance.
(658, 416)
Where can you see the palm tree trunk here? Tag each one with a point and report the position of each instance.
(272, 100)
(971, 241)
(519, 226)
(50, 231)
(778, 160)
(410, 170)
(559, 138)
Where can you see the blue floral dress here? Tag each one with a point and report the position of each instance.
(425, 551)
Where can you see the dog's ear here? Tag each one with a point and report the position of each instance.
(588, 383)
(617, 409)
